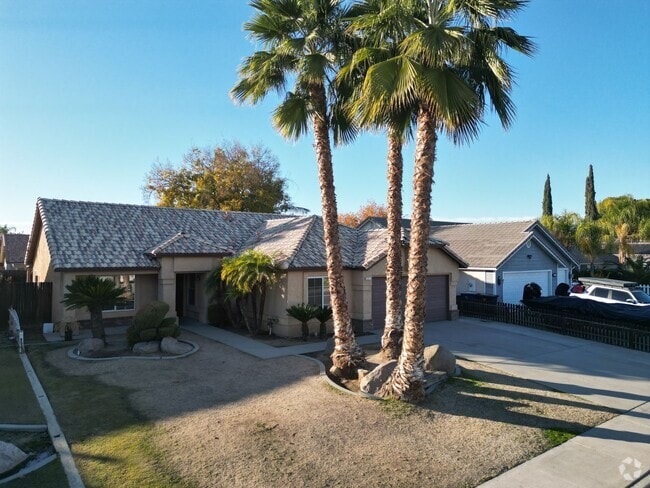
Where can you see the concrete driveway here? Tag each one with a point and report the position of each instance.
(614, 454)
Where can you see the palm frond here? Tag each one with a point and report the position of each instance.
(291, 117)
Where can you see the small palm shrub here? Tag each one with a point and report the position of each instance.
(303, 313)
(323, 314)
(150, 324)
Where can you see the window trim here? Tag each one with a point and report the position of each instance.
(115, 278)
(325, 290)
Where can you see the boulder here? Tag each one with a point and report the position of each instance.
(170, 345)
(439, 358)
(375, 379)
(10, 457)
(88, 346)
(146, 347)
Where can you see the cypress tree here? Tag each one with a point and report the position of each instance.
(547, 202)
(591, 211)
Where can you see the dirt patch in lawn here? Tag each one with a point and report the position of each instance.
(228, 419)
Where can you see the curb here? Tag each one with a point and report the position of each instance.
(56, 434)
(195, 348)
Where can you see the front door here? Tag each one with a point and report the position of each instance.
(180, 295)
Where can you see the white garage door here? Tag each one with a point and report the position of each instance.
(514, 282)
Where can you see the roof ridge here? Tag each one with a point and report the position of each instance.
(311, 219)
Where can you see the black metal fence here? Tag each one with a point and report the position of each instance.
(631, 336)
(32, 302)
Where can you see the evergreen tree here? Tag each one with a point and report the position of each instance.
(547, 202)
(591, 211)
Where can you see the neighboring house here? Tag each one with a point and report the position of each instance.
(502, 257)
(159, 253)
(12, 251)
(12, 257)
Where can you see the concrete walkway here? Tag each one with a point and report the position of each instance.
(615, 454)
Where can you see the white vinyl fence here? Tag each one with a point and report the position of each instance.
(646, 288)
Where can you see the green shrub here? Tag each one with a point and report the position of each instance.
(150, 324)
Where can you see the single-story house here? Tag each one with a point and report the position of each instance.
(12, 251)
(12, 256)
(159, 253)
(502, 257)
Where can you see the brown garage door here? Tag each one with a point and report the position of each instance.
(436, 300)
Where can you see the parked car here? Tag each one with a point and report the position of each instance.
(613, 291)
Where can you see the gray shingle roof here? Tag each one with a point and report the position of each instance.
(88, 235)
(485, 245)
(15, 246)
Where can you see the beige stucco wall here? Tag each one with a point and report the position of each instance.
(145, 292)
(41, 270)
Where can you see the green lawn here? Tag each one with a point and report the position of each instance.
(111, 444)
(18, 404)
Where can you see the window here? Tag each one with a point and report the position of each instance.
(601, 292)
(128, 283)
(621, 296)
(318, 291)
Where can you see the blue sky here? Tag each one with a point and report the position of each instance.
(93, 92)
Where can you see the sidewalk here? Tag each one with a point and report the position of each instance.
(615, 454)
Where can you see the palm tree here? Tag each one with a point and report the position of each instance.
(620, 216)
(447, 67)
(381, 26)
(96, 294)
(249, 275)
(303, 313)
(6, 229)
(323, 314)
(592, 240)
(304, 42)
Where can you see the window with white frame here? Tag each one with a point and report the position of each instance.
(318, 291)
(127, 282)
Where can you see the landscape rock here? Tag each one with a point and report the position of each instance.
(146, 347)
(439, 358)
(10, 457)
(375, 379)
(170, 345)
(88, 346)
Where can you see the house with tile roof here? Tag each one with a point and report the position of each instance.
(502, 257)
(159, 253)
(12, 251)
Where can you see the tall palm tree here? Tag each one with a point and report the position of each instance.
(96, 294)
(381, 25)
(449, 67)
(304, 42)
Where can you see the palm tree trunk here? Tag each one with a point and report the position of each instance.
(347, 354)
(407, 381)
(97, 324)
(391, 340)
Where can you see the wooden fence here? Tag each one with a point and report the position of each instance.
(631, 336)
(32, 302)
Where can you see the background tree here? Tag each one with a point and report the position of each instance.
(563, 227)
(591, 210)
(620, 216)
(370, 209)
(592, 240)
(230, 177)
(547, 201)
(249, 276)
(5, 229)
(304, 42)
(96, 294)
